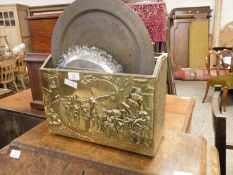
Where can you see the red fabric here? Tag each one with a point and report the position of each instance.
(153, 16)
(195, 74)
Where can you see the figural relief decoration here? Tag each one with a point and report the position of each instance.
(108, 106)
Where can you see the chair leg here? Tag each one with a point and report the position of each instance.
(17, 90)
(21, 79)
(4, 85)
(225, 91)
(206, 91)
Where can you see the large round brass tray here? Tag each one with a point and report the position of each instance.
(109, 25)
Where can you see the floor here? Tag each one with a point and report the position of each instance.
(202, 119)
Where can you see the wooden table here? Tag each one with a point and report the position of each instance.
(20, 102)
(178, 109)
(5, 92)
(46, 153)
(179, 112)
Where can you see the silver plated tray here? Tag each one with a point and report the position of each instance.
(89, 58)
(109, 25)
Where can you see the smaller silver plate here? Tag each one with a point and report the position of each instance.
(88, 58)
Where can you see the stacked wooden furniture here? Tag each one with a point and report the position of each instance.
(186, 23)
(41, 21)
(12, 17)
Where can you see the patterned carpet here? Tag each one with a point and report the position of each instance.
(202, 117)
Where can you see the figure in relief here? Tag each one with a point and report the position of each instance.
(114, 115)
(53, 117)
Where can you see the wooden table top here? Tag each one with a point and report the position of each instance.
(20, 102)
(178, 109)
(46, 153)
(179, 112)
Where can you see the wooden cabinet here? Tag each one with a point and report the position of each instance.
(41, 23)
(14, 25)
(41, 29)
(182, 48)
(179, 43)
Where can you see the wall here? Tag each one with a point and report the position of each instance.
(227, 12)
(189, 3)
(227, 8)
(192, 3)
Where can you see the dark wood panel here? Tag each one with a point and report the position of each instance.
(14, 124)
(5, 92)
(41, 30)
(34, 62)
(219, 125)
(179, 43)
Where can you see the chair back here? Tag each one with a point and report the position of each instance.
(21, 68)
(226, 59)
(7, 69)
(219, 125)
(212, 60)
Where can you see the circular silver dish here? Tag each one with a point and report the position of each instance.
(88, 58)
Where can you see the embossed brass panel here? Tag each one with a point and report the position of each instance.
(124, 111)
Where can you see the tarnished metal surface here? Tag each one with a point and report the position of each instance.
(125, 111)
(109, 25)
(89, 58)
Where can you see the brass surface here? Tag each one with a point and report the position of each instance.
(120, 110)
(109, 25)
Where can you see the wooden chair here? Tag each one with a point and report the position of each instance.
(226, 80)
(7, 69)
(21, 70)
(219, 125)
